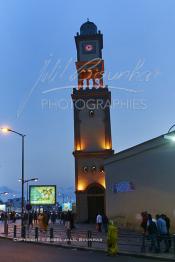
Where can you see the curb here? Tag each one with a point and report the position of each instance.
(146, 256)
(128, 254)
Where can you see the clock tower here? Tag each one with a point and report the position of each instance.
(92, 128)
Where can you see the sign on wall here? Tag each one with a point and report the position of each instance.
(123, 186)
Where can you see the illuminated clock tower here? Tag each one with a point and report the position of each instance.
(92, 128)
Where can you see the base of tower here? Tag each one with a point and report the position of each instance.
(89, 204)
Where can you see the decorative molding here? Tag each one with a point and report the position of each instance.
(100, 154)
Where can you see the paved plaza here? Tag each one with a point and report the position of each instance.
(129, 241)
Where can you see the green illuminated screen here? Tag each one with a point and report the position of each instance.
(42, 195)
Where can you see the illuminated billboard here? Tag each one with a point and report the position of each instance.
(2, 208)
(42, 195)
(67, 207)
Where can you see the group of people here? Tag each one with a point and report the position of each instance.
(158, 230)
(11, 216)
(43, 219)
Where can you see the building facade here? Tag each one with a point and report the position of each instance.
(92, 128)
(141, 178)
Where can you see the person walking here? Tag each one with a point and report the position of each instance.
(30, 215)
(162, 232)
(152, 233)
(144, 216)
(68, 220)
(105, 223)
(99, 222)
(168, 225)
(72, 225)
(35, 217)
(53, 218)
(40, 222)
(112, 239)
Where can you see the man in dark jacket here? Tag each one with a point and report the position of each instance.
(144, 221)
(152, 231)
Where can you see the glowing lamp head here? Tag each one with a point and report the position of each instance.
(5, 130)
(107, 145)
(170, 137)
(80, 187)
(4, 193)
(78, 147)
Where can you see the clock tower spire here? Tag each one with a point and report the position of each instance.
(89, 65)
(92, 128)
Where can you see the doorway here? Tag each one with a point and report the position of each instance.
(96, 201)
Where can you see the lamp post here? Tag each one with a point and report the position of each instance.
(171, 128)
(62, 195)
(6, 130)
(27, 182)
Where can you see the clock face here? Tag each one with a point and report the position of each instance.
(89, 47)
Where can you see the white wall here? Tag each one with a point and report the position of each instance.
(153, 174)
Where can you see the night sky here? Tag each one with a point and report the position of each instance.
(37, 73)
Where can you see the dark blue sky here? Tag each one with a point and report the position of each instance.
(137, 33)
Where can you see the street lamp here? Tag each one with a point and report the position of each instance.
(4, 193)
(62, 195)
(171, 134)
(7, 130)
(35, 179)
